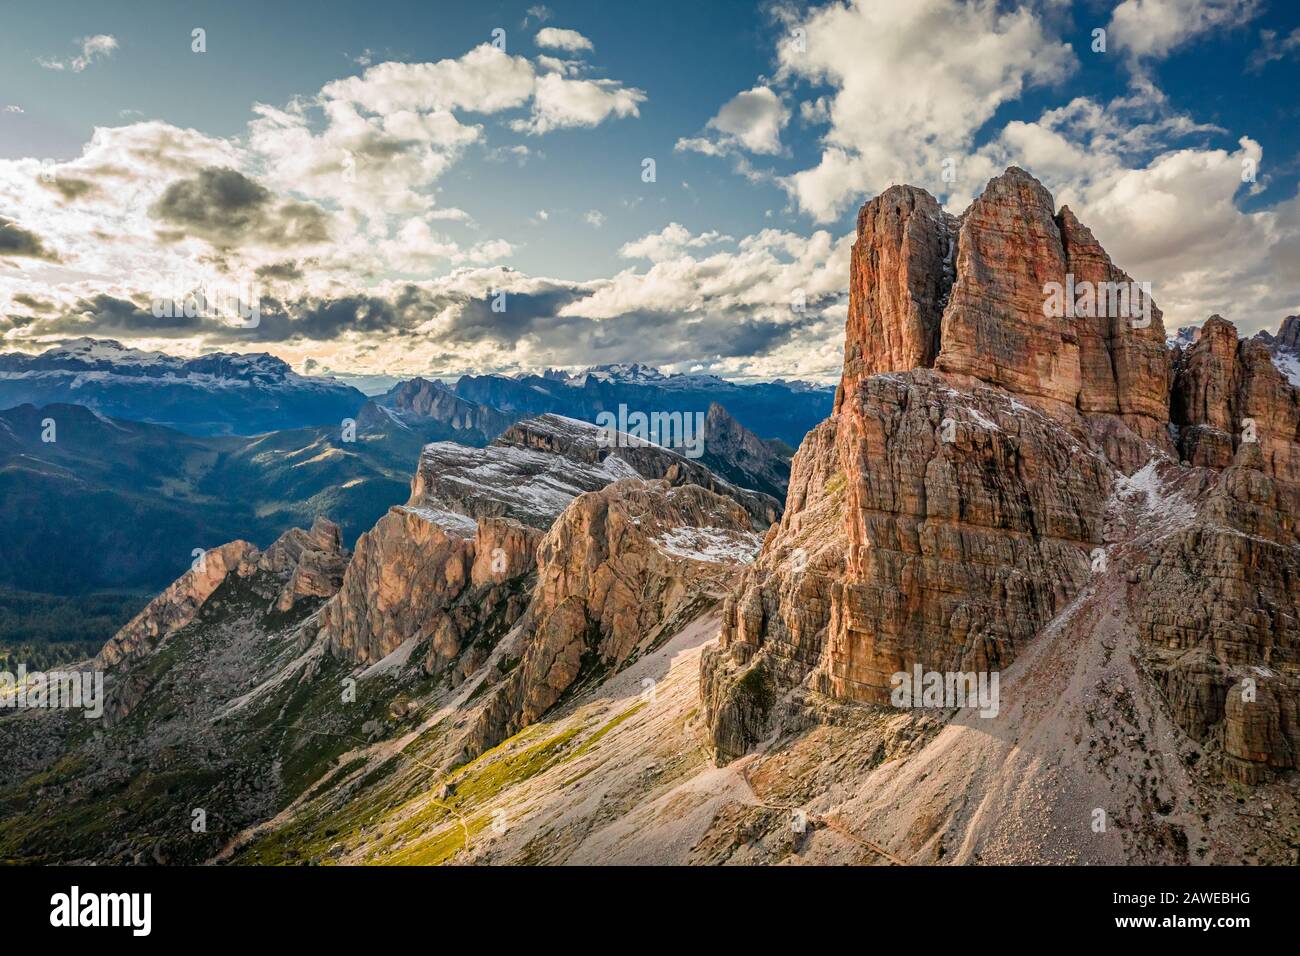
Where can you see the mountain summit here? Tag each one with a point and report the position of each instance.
(1109, 524)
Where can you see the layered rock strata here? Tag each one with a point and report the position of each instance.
(458, 558)
(620, 567)
(963, 493)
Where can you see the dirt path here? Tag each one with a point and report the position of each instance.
(830, 823)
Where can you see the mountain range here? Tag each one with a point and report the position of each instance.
(150, 457)
(1032, 598)
(249, 394)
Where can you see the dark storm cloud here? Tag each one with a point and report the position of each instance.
(33, 303)
(668, 337)
(19, 242)
(227, 208)
(280, 270)
(525, 313)
(108, 314)
(533, 317)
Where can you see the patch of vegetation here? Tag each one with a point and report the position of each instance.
(41, 630)
(594, 739)
(754, 688)
(444, 844)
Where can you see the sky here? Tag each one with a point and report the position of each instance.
(392, 189)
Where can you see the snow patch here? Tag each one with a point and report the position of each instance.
(446, 520)
(710, 544)
(1289, 366)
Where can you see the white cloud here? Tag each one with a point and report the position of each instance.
(669, 242)
(552, 64)
(13, 108)
(913, 81)
(539, 12)
(554, 38)
(484, 80)
(594, 218)
(559, 103)
(1155, 28)
(1271, 49)
(93, 48)
(751, 120)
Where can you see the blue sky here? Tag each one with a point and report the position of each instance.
(764, 149)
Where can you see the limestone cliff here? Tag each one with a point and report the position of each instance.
(309, 563)
(456, 561)
(621, 568)
(968, 488)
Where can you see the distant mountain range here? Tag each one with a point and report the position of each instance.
(218, 394)
(782, 410)
(116, 504)
(230, 394)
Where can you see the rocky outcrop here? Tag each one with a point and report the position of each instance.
(901, 275)
(1216, 607)
(621, 567)
(457, 559)
(177, 605)
(432, 399)
(1231, 402)
(1123, 366)
(313, 561)
(310, 563)
(974, 297)
(945, 516)
(994, 328)
(625, 455)
(735, 453)
(899, 547)
(418, 574)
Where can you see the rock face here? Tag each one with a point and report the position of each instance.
(421, 574)
(310, 563)
(538, 466)
(177, 605)
(898, 547)
(435, 400)
(459, 556)
(971, 296)
(1232, 401)
(994, 328)
(735, 453)
(901, 276)
(973, 481)
(313, 560)
(1215, 605)
(620, 567)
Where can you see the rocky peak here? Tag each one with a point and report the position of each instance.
(737, 454)
(621, 568)
(298, 564)
(176, 606)
(312, 561)
(970, 296)
(953, 518)
(455, 558)
(901, 274)
(434, 399)
(1233, 403)
(1288, 336)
